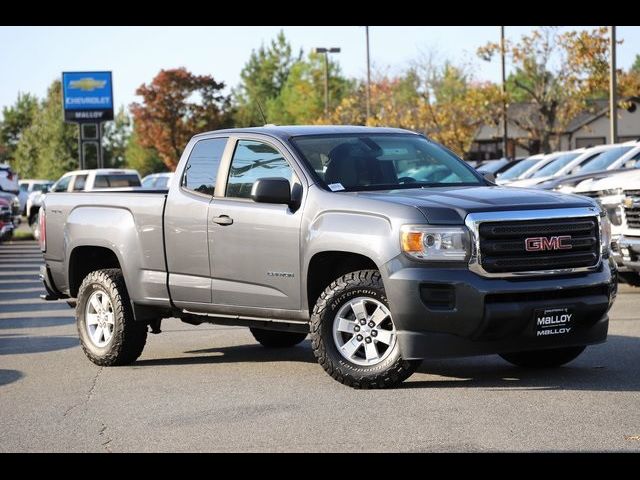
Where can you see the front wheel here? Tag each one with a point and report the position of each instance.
(551, 358)
(353, 335)
(109, 334)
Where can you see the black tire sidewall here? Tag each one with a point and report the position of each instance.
(327, 317)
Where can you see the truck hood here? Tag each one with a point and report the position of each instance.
(450, 205)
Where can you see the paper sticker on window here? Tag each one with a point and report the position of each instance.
(336, 187)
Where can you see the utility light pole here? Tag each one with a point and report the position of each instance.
(326, 52)
(613, 100)
(505, 136)
(368, 77)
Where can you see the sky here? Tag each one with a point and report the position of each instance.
(32, 57)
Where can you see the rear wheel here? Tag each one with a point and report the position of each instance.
(353, 335)
(276, 338)
(109, 334)
(551, 358)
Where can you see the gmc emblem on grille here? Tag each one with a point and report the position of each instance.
(539, 244)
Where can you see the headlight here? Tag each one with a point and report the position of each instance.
(435, 243)
(605, 235)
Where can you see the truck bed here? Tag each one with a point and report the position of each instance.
(127, 221)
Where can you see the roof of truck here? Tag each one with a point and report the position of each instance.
(287, 131)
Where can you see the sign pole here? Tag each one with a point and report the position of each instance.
(80, 147)
(99, 149)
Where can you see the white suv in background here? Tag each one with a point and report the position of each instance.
(86, 180)
(82, 181)
(28, 187)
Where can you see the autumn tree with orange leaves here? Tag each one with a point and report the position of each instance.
(175, 106)
(559, 74)
(442, 101)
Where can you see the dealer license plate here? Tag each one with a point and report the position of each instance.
(553, 321)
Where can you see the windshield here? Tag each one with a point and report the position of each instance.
(604, 160)
(555, 166)
(357, 162)
(519, 168)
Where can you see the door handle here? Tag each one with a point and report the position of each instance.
(222, 220)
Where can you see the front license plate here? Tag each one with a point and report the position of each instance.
(553, 321)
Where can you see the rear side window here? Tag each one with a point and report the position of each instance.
(81, 181)
(101, 182)
(202, 167)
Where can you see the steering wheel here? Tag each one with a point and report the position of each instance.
(407, 180)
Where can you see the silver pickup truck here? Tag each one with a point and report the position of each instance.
(382, 245)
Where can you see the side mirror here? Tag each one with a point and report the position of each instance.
(271, 190)
(489, 177)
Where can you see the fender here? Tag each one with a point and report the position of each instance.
(115, 228)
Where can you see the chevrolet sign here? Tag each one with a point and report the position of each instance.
(87, 96)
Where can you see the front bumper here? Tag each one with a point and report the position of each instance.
(630, 252)
(443, 312)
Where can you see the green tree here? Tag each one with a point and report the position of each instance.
(15, 120)
(301, 100)
(49, 147)
(636, 64)
(262, 79)
(116, 139)
(145, 160)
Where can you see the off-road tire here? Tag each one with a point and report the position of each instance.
(276, 338)
(391, 372)
(129, 336)
(550, 358)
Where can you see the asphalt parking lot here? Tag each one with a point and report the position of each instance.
(213, 388)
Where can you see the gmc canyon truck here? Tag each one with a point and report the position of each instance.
(382, 245)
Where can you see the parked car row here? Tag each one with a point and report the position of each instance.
(609, 174)
(23, 198)
(84, 181)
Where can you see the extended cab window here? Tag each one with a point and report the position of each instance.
(252, 161)
(80, 182)
(202, 167)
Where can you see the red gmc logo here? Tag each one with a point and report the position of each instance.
(539, 244)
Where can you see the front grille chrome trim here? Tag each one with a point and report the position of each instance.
(474, 220)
